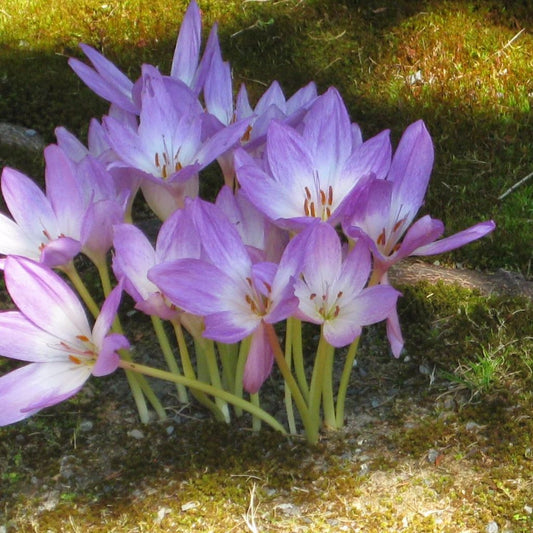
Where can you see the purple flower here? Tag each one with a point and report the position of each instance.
(384, 212)
(218, 96)
(50, 331)
(331, 288)
(81, 204)
(135, 256)
(234, 295)
(313, 174)
(264, 240)
(44, 227)
(169, 148)
(108, 82)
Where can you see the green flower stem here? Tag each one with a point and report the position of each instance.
(169, 356)
(140, 388)
(207, 349)
(228, 359)
(244, 348)
(315, 391)
(295, 327)
(289, 409)
(103, 272)
(310, 431)
(344, 381)
(256, 422)
(74, 277)
(190, 374)
(328, 402)
(206, 389)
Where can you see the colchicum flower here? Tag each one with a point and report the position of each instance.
(313, 173)
(331, 288)
(46, 228)
(234, 295)
(50, 330)
(135, 256)
(169, 147)
(108, 82)
(384, 212)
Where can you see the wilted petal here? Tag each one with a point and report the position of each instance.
(394, 333)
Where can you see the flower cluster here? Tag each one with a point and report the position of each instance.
(306, 224)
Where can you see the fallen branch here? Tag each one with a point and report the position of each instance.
(515, 186)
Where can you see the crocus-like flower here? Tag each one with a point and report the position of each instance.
(82, 202)
(108, 82)
(169, 148)
(45, 227)
(312, 174)
(50, 330)
(331, 289)
(218, 97)
(264, 240)
(135, 256)
(234, 295)
(384, 212)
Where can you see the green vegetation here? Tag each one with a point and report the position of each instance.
(438, 441)
(464, 67)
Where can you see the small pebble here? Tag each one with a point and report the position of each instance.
(86, 425)
(492, 527)
(136, 434)
(364, 469)
(472, 426)
(433, 456)
(528, 509)
(424, 370)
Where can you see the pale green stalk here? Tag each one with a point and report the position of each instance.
(310, 432)
(244, 348)
(256, 422)
(344, 381)
(315, 391)
(190, 374)
(103, 272)
(74, 277)
(206, 347)
(206, 389)
(328, 402)
(229, 354)
(289, 409)
(169, 356)
(295, 327)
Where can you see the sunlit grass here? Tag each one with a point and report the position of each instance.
(464, 67)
